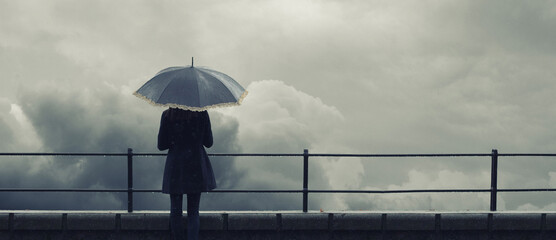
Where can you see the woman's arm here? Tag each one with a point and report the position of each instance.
(207, 141)
(163, 139)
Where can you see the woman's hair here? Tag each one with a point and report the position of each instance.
(175, 114)
(186, 125)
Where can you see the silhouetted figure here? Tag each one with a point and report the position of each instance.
(188, 169)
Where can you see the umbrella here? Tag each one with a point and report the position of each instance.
(191, 88)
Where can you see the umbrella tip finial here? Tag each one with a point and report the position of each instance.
(191, 61)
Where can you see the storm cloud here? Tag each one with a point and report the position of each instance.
(71, 121)
(75, 121)
(331, 77)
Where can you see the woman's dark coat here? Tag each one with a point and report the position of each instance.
(188, 168)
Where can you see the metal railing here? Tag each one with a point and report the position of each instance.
(494, 190)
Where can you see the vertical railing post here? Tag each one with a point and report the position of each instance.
(493, 179)
(129, 180)
(305, 179)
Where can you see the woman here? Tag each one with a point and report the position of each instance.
(188, 169)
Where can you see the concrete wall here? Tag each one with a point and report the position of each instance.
(287, 225)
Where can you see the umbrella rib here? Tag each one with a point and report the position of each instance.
(219, 83)
(197, 83)
(165, 88)
(228, 84)
(150, 97)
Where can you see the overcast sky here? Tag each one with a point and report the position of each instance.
(328, 76)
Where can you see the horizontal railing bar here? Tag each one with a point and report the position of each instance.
(65, 154)
(154, 154)
(230, 154)
(527, 154)
(251, 155)
(528, 190)
(255, 154)
(292, 155)
(403, 155)
(232, 191)
(137, 190)
(149, 154)
(282, 191)
(227, 154)
(59, 190)
(256, 191)
(401, 191)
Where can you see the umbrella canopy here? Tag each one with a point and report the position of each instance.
(191, 88)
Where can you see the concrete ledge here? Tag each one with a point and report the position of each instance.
(357, 221)
(212, 221)
(464, 221)
(516, 222)
(410, 222)
(95, 221)
(160, 221)
(551, 221)
(253, 221)
(133, 221)
(305, 221)
(149, 221)
(4, 221)
(275, 225)
(156, 221)
(37, 221)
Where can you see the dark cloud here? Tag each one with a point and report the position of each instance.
(404, 77)
(70, 121)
